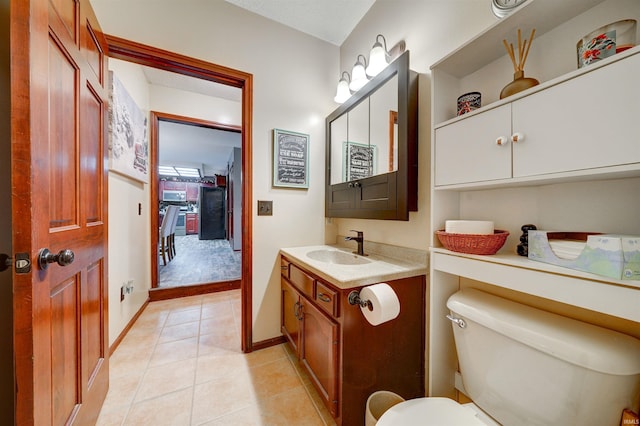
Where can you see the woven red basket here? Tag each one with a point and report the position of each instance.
(473, 243)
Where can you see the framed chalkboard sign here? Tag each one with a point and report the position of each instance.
(290, 159)
(359, 161)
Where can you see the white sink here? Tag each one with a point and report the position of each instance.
(337, 257)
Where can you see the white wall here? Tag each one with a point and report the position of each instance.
(195, 105)
(431, 29)
(294, 83)
(129, 233)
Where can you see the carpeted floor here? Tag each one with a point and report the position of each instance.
(199, 261)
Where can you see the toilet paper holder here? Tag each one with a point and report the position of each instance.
(354, 299)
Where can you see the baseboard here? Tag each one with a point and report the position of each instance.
(158, 293)
(126, 329)
(268, 343)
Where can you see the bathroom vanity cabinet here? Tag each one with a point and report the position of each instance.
(345, 357)
(563, 155)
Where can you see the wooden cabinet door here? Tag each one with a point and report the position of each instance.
(377, 193)
(466, 151)
(191, 223)
(193, 189)
(319, 353)
(290, 324)
(171, 185)
(586, 133)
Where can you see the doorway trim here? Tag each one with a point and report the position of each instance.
(154, 148)
(169, 61)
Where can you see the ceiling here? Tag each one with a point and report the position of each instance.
(194, 146)
(328, 20)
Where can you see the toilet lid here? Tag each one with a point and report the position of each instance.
(429, 412)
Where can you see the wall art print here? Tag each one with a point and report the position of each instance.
(128, 142)
(290, 159)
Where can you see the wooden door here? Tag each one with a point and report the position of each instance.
(59, 193)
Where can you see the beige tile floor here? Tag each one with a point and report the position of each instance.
(181, 364)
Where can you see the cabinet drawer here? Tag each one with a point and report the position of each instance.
(327, 299)
(284, 267)
(301, 280)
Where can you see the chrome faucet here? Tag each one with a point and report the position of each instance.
(360, 240)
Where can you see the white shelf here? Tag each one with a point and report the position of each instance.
(524, 263)
(544, 85)
(483, 48)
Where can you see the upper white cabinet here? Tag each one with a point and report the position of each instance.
(582, 123)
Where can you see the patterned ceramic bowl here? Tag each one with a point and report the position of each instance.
(468, 102)
(606, 41)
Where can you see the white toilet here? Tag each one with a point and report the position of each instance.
(524, 366)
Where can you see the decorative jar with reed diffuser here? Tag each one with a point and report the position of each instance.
(520, 82)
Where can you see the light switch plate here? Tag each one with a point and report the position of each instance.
(265, 208)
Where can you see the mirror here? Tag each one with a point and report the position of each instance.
(372, 148)
(364, 140)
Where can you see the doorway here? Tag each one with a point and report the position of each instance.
(169, 61)
(194, 168)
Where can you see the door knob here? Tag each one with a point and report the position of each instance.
(517, 137)
(62, 258)
(502, 140)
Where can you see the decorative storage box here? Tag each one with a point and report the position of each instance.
(615, 256)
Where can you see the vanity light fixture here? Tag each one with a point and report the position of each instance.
(343, 93)
(378, 57)
(358, 74)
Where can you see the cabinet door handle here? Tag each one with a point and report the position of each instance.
(324, 297)
(356, 184)
(517, 137)
(296, 310)
(502, 140)
(350, 184)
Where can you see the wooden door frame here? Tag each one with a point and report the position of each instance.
(154, 162)
(157, 58)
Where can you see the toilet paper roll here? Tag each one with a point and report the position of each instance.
(383, 303)
(468, 227)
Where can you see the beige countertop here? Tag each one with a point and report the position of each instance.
(405, 263)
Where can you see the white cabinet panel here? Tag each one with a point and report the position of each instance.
(466, 151)
(583, 123)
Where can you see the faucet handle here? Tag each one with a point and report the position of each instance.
(360, 233)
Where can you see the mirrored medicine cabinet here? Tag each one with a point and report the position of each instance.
(371, 148)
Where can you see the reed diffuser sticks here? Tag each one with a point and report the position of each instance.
(520, 82)
(523, 50)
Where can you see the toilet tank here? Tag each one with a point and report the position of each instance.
(525, 366)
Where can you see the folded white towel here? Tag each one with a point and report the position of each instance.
(480, 227)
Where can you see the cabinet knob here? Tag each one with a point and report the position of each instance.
(502, 140)
(517, 137)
